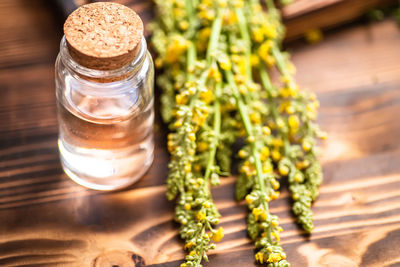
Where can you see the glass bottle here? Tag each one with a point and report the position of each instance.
(105, 111)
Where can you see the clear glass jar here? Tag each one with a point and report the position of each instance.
(105, 120)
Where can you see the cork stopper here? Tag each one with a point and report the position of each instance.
(103, 35)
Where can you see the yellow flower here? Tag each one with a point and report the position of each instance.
(293, 121)
(265, 48)
(280, 123)
(282, 106)
(269, 60)
(215, 74)
(258, 35)
(181, 99)
(242, 154)
(266, 130)
(189, 245)
(192, 137)
(302, 164)
(236, 58)
(249, 199)
(314, 36)
(259, 213)
(241, 65)
(255, 117)
(202, 146)
(290, 109)
(158, 63)
(267, 167)
(270, 30)
(217, 236)
(193, 252)
(238, 3)
(200, 216)
(253, 87)
(197, 167)
(284, 92)
(178, 12)
(306, 145)
(188, 167)
(276, 155)
(264, 153)
(207, 96)
(224, 62)
(255, 60)
(222, 3)
(239, 79)
(274, 257)
(248, 168)
(275, 195)
(298, 177)
(323, 135)
(202, 38)
(277, 237)
(192, 90)
(177, 47)
(171, 145)
(230, 18)
(242, 89)
(293, 90)
(260, 257)
(283, 170)
(264, 234)
(207, 14)
(178, 124)
(188, 206)
(277, 142)
(275, 184)
(183, 25)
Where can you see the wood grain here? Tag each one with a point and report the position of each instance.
(47, 220)
(304, 15)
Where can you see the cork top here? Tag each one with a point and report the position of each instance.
(103, 35)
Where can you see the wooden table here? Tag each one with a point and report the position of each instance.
(47, 220)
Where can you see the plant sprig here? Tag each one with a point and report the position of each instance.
(212, 53)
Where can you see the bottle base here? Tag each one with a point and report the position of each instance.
(106, 173)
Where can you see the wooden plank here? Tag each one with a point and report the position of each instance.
(47, 220)
(304, 15)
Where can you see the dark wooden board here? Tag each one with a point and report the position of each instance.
(304, 15)
(300, 16)
(47, 220)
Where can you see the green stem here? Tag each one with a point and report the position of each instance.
(280, 61)
(203, 230)
(266, 82)
(191, 59)
(216, 132)
(214, 37)
(254, 150)
(191, 16)
(270, 4)
(246, 38)
(249, 130)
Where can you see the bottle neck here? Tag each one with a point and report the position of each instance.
(103, 76)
